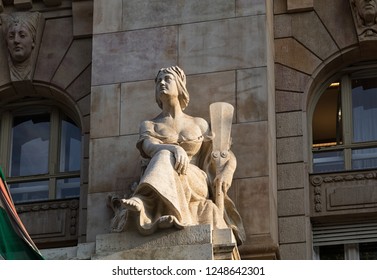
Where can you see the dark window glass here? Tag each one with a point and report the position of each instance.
(364, 158)
(364, 109)
(328, 161)
(327, 130)
(29, 191)
(332, 252)
(68, 188)
(30, 145)
(368, 251)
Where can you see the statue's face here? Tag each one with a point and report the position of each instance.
(19, 42)
(166, 85)
(367, 9)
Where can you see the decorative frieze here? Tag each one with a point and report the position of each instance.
(343, 193)
(51, 221)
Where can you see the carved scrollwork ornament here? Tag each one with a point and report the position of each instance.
(317, 180)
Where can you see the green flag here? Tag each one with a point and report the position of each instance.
(15, 242)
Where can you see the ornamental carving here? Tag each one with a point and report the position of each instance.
(365, 18)
(20, 34)
(343, 192)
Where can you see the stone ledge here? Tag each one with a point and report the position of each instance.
(131, 239)
(179, 252)
(195, 242)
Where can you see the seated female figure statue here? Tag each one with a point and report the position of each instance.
(177, 184)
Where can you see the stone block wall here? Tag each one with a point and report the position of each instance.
(226, 51)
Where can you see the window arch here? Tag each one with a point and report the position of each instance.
(40, 150)
(344, 127)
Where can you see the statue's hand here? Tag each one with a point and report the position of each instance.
(224, 181)
(181, 160)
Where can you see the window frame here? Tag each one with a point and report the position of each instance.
(33, 107)
(345, 77)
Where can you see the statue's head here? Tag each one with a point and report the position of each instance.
(20, 33)
(180, 78)
(367, 11)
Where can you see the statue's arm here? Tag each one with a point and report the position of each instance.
(152, 145)
(225, 176)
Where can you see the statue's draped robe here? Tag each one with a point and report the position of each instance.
(184, 199)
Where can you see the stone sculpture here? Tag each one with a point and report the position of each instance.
(19, 31)
(365, 17)
(182, 170)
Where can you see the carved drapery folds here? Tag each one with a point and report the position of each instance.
(21, 33)
(365, 18)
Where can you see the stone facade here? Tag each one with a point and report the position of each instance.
(266, 58)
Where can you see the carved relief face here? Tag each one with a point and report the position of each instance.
(367, 9)
(19, 42)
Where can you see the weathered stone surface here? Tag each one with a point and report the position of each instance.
(137, 95)
(145, 50)
(84, 105)
(308, 29)
(289, 124)
(4, 70)
(245, 8)
(291, 53)
(291, 202)
(289, 149)
(202, 46)
(291, 176)
(198, 242)
(289, 79)
(77, 58)
(336, 16)
(105, 111)
(97, 215)
(82, 13)
(251, 149)
(292, 229)
(81, 86)
(296, 251)
(184, 252)
(139, 14)
(288, 101)
(283, 26)
(113, 158)
(107, 18)
(280, 6)
(299, 5)
(205, 89)
(252, 200)
(131, 239)
(56, 39)
(252, 95)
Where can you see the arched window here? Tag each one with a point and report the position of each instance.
(344, 122)
(40, 151)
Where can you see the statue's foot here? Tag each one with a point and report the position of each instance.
(165, 221)
(133, 204)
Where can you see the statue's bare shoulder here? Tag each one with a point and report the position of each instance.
(203, 124)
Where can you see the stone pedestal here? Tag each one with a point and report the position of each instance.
(192, 243)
